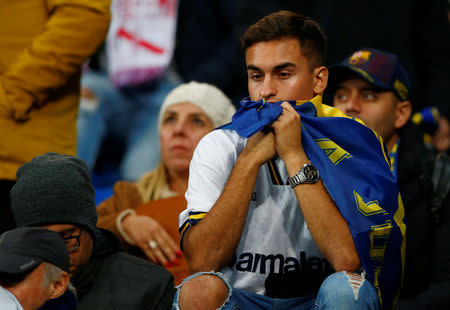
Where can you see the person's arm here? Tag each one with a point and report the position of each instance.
(117, 214)
(327, 226)
(73, 32)
(210, 244)
(125, 197)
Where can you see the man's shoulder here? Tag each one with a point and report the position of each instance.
(224, 134)
(222, 140)
(127, 282)
(122, 263)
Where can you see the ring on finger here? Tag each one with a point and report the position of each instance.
(152, 244)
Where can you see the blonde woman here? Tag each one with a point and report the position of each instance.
(188, 113)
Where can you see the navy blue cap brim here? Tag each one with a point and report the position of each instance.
(341, 72)
(17, 264)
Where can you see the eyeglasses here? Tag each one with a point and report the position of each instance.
(73, 242)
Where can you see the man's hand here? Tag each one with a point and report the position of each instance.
(143, 229)
(260, 147)
(210, 244)
(288, 136)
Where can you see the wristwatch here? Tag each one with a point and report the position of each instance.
(307, 174)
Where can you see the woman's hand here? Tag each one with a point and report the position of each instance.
(152, 239)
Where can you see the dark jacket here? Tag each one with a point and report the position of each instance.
(116, 280)
(427, 247)
(414, 179)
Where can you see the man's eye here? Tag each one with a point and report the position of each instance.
(255, 76)
(284, 75)
(369, 96)
(340, 97)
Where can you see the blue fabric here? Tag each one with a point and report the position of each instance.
(128, 114)
(353, 164)
(338, 292)
(393, 155)
(427, 119)
(335, 293)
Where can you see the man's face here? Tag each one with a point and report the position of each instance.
(278, 71)
(80, 256)
(377, 109)
(36, 290)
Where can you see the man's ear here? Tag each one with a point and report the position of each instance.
(59, 286)
(320, 79)
(403, 113)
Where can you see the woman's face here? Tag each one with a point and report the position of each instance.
(182, 127)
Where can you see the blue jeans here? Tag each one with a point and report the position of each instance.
(338, 291)
(130, 113)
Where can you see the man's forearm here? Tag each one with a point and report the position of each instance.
(210, 244)
(326, 224)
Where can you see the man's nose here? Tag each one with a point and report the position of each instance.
(268, 88)
(353, 105)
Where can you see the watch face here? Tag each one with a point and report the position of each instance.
(310, 173)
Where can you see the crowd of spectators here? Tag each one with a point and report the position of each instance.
(207, 206)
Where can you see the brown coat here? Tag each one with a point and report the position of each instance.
(129, 195)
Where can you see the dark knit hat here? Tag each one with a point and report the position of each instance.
(54, 189)
(23, 249)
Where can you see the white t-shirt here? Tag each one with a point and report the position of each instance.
(8, 301)
(275, 236)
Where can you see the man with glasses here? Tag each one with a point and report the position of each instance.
(55, 192)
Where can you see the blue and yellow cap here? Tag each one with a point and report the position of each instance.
(379, 68)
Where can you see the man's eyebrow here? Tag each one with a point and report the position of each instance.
(374, 89)
(276, 68)
(363, 88)
(283, 66)
(253, 67)
(66, 232)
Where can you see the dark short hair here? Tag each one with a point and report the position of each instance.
(286, 24)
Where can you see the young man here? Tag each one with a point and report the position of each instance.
(55, 192)
(372, 85)
(33, 268)
(268, 239)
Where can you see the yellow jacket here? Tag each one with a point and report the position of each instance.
(43, 44)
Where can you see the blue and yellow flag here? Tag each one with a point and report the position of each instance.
(354, 167)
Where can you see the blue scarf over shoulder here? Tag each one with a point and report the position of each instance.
(354, 167)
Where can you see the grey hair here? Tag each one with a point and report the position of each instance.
(51, 274)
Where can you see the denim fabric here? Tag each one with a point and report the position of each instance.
(339, 291)
(130, 113)
(335, 293)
